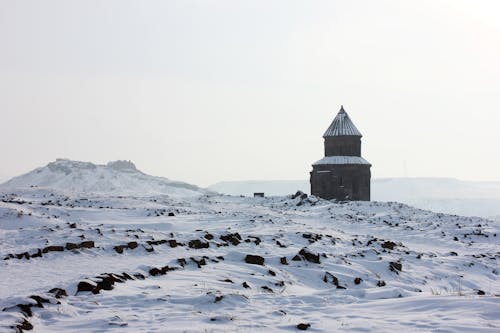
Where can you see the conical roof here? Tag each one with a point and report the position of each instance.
(342, 126)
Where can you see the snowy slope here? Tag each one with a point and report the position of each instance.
(117, 178)
(445, 195)
(355, 267)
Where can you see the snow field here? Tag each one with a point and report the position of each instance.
(447, 281)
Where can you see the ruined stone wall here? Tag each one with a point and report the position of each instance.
(341, 182)
(343, 146)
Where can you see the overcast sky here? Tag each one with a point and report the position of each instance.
(204, 91)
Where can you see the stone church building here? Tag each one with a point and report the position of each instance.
(342, 174)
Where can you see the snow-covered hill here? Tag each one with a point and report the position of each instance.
(98, 263)
(117, 178)
(445, 195)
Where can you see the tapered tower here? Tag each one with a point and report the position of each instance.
(342, 174)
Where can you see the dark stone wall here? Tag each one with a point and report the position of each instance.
(343, 146)
(341, 182)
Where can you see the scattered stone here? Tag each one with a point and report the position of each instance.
(198, 244)
(171, 214)
(156, 242)
(283, 261)
(254, 239)
(87, 244)
(358, 280)
(254, 259)
(329, 277)
(39, 300)
(26, 309)
(481, 292)
(381, 283)
(126, 276)
(395, 266)
(37, 254)
(58, 292)
(389, 245)
(24, 325)
(53, 248)
(23, 255)
(245, 285)
(296, 258)
(266, 288)
(172, 243)
(234, 238)
(303, 326)
(119, 248)
(105, 283)
(280, 283)
(309, 256)
(132, 245)
(161, 271)
(271, 272)
(280, 244)
(71, 246)
(312, 237)
(72, 225)
(209, 236)
(199, 262)
(87, 286)
(218, 298)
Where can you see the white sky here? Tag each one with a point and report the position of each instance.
(204, 91)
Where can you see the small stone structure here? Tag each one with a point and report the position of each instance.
(258, 194)
(342, 174)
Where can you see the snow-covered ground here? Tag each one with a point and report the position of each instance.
(203, 262)
(442, 195)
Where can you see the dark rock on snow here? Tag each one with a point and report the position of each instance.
(388, 245)
(198, 244)
(303, 326)
(234, 238)
(58, 292)
(87, 286)
(254, 259)
(53, 248)
(309, 256)
(395, 266)
(87, 244)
